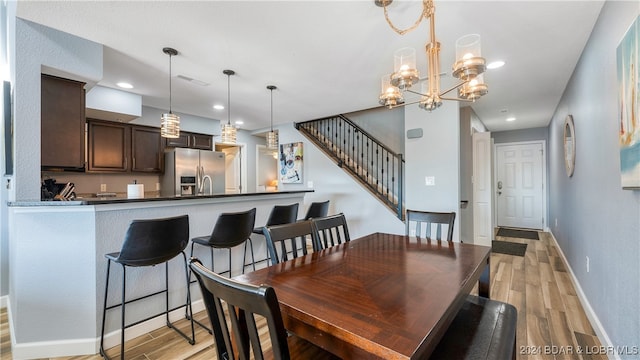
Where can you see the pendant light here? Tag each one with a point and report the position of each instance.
(170, 123)
(228, 135)
(272, 136)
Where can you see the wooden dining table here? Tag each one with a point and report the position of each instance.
(382, 296)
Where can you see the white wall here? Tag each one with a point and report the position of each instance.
(596, 217)
(437, 154)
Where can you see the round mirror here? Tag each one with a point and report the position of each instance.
(569, 145)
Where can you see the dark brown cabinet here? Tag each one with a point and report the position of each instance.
(192, 141)
(108, 146)
(146, 149)
(117, 147)
(62, 123)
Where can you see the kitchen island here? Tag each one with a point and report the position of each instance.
(58, 268)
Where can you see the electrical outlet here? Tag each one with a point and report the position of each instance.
(103, 187)
(157, 186)
(587, 264)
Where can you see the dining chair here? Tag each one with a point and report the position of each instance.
(148, 243)
(289, 239)
(429, 218)
(483, 328)
(316, 210)
(330, 230)
(243, 302)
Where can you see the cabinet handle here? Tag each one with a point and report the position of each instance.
(134, 163)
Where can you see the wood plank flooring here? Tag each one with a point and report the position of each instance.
(551, 321)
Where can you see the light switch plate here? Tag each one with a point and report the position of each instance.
(429, 180)
(103, 187)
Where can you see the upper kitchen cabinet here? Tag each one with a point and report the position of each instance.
(146, 149)
(62, 123)
(118, 147)
(191, 140)
(108, 147)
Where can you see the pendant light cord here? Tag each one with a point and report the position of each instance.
(228, 99)
(170, 84)
(271, 110)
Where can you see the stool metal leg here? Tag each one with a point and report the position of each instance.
(104, 310)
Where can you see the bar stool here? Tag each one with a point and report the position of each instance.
(280, 214)
(149, 243)
(230, 230)
(317, 210)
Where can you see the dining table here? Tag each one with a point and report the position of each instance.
(381, 296)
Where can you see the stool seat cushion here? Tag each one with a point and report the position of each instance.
(482, 329)
(258, 230)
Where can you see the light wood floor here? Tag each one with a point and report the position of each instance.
(551, 321)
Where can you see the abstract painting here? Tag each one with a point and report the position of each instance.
(628, 113)
(291, 163)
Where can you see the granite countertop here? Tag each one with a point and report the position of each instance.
(123, 200)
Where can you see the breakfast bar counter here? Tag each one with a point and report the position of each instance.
(58, 268)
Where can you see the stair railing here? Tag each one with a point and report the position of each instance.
(375, 165)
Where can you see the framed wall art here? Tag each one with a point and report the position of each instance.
(629, 113)
(291, 163)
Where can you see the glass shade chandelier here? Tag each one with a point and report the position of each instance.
(170, 122)
(468, 67)
(272, 136)
(228, 132)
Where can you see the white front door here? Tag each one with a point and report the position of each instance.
(520, 185)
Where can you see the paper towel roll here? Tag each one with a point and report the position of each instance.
(135, 191)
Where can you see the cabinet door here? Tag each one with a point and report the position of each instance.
(108, 147)
(146, 149)
(201, 141)
(181, 142)
(62, 123)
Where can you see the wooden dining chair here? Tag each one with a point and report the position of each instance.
(288, 240)
(330, 231)
(429, 218)
(243, 303)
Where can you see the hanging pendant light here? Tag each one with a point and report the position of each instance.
(170, 123)
(229, 132)
(272, 136)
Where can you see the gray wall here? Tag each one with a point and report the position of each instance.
(385, 125)
(595, 216)
(521, 135)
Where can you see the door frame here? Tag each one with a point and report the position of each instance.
(242, 147)
(545, 188)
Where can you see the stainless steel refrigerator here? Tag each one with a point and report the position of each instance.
(189, 172)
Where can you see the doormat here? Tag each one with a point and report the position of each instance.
(522, 234)
(508, 248)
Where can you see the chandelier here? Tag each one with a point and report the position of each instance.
(468, 67)
(228, 132)
(272, 136)
(170, 122)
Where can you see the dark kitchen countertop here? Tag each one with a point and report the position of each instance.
(124, 200)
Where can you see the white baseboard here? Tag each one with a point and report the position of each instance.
(47, 349)
(591, 315)
(3, 301)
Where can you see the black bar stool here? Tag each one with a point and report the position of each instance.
(317, 210)
(230, 230)
(280, 214)
(149, 243)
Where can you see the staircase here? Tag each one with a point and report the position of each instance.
(375, 166)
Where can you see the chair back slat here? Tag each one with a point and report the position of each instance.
(243, 303)
(291, 238)
(330, 231)
(430, 218)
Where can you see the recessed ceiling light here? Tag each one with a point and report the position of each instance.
(510, 118)
(125, 85)
(495, 64)
(218, 107)
(239, 122)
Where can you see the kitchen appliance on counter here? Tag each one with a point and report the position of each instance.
(189, 172)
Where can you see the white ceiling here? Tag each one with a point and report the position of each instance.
(326, 57)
